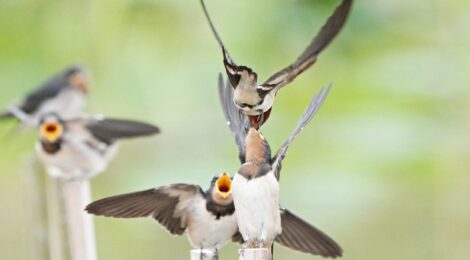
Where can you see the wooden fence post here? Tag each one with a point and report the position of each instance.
(72, 233)
(36, 208)
(204, 254)
(255, 254)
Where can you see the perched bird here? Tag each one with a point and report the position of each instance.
(256, 184)
(257, 100)
(64, 94)
(207, 217)
(83, 147)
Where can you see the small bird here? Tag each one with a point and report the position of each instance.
(64, 94)
(256, 184)
(257, 100)
(207, 217)
(256, 188)
(83, 147)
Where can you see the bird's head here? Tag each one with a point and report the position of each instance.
(222, 189)
(256, 147)
(51, 128)
(78, 77)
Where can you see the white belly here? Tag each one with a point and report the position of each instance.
(68, 104)
(257, 207)
(75, 162)
(205, 231)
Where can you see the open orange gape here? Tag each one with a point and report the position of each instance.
(224, 185)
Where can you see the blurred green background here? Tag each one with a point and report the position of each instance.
(383, 168)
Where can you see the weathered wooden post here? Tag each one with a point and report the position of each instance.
(72, 234)
(255, 254)
(36, 208)
(204, 254)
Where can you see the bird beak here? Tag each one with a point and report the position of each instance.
(51, 131)
(224, 185)
(258, 121)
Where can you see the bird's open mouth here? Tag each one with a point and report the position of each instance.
(51, 131)
(224, 185)
(258, 120)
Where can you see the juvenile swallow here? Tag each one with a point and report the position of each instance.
(256, 187)
(256, 184)
(83, 147)
(206, 217)
(257, 100)
(64, 94)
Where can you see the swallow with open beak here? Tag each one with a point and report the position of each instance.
(209, 217)
(64, 94)
(257, 100)
(206, 217)
(256, 184)
(256, 188)
(83, 147)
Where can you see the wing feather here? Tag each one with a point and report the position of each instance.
(308, 57)
(313, 107)
(236, 120)
(109, 130)
(299, 235)
(234, 72)
(167, 205)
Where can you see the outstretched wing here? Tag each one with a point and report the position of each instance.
(237, 121)
(168, 205)
(301, 236)
(234, 72)
(326, 35)
(109, 130)
(311, 110)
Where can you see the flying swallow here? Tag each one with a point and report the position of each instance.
(206, 217)
(83, 147)
(257, 100)
(256, 184)
(256, 188)
(64, 94)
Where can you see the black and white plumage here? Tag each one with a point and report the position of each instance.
(256, 187)
(64, 94)
(206, 217)
(256, 100)
(83, 147)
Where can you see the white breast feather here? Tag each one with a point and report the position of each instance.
(257, 207)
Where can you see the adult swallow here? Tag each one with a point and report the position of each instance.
(207, 217)
(256, 184)
(256, 100)
(83, 147)
(64, 94)
(256, 188)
